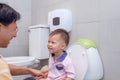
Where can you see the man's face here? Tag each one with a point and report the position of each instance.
(7, 33)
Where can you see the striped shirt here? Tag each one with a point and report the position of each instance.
(4, 70)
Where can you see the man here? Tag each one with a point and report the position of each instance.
(8, 30)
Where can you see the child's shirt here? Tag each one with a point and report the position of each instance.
(61, 68)
(4, 70)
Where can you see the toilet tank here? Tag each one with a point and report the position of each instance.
(38, 39)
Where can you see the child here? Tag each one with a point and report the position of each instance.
(60, 64)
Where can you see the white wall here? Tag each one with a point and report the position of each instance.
(19, 45)
(98, 20)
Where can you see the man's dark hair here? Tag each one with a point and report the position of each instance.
(8, 14)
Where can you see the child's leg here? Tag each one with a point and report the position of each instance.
(45, 68)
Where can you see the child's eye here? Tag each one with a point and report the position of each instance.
(53, 42)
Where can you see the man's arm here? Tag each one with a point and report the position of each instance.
(18, 70)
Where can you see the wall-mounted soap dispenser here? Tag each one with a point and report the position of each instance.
(60, 18)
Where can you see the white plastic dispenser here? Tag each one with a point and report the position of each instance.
(60, 18)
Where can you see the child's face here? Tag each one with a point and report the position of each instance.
(56, 44)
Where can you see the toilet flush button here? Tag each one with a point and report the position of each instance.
(83, 53)
(70, 52)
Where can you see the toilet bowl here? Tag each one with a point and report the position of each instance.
(20, 61)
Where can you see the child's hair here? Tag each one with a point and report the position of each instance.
(63, 33)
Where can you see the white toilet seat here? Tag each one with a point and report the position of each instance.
(80, 60)
(20, 60)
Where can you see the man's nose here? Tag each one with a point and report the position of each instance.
(15, 34)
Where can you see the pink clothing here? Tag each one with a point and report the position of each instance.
(61, 68)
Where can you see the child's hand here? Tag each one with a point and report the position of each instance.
(38, 77)
(42, 76)
(45, 74)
